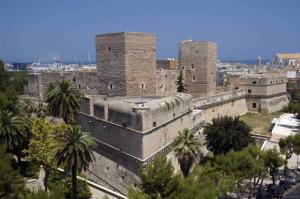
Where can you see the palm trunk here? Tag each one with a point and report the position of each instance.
(74, 180)
(46, 179)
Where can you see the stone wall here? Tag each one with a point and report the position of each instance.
(166, 82)
(228, 103)
(274, 104)
(126, 63)
(198, 61)
(38, 84)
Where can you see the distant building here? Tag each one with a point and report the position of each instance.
(286, 59)
(19, 66)
(168, 64)
(258, 61)
(293, 86)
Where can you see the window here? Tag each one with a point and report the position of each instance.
(154, 124)
(109, 49)
(182, 67)
(271, 82)
(192, 66)
(236, 88)
(197, 51)
(253, 105)
(249, 91)
(174, 114)
(194, 78)
(79, 86)
(254, 82)
(74, 79)
(143, 86)
(110, 86)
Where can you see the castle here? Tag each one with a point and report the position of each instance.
(131, 105)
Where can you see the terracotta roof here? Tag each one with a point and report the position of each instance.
(288, 55)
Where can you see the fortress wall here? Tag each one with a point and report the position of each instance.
(83, 80)
(166, 82)
(228, 103)
(234, 108)
(165, 134)
(124, 139)
(274, 104)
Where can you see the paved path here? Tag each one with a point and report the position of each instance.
(293, 193)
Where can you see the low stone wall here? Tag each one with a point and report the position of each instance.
(228, 103)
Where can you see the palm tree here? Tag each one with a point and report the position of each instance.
(187, 150)
(13, 131)
(64, 101)
(75, 153)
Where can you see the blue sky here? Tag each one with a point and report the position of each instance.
(66, 29)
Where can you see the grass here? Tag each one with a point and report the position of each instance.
(260, 122)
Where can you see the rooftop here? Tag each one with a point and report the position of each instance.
(288, 55)
(287, 124)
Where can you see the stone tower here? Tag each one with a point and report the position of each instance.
(197, 59)
(126, 63)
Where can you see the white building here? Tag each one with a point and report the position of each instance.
(286, 59)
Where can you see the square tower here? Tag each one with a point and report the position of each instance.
(126, 63)
(197, 59)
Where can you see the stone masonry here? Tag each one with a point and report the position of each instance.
(197, 59)
(126, 63)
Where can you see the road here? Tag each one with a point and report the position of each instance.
(293, 193)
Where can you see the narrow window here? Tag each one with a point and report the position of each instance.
(143, 86)
(192, 66)
(271, 82)
(79, 86)
(109, 49)
(194, 78)
(182, 67)
(154, 124)
(253, 105)
(174, 114)
(236, 88)
(254, 82)
(249, 91)
(110, 86)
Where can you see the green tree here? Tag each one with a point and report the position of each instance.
(17, 80)
(273, 161)
(187, 150)
(258, 170)
(227, 133)
(13, 131)
(158, 179)
(293, 107)
(201, 183)
(9, 101)
(12, 185)
(180, 83)
(134, 193)
(43, 145)
(44, 195)
(64, 101)
(4, 78)
(75, 153)
(287, 148)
